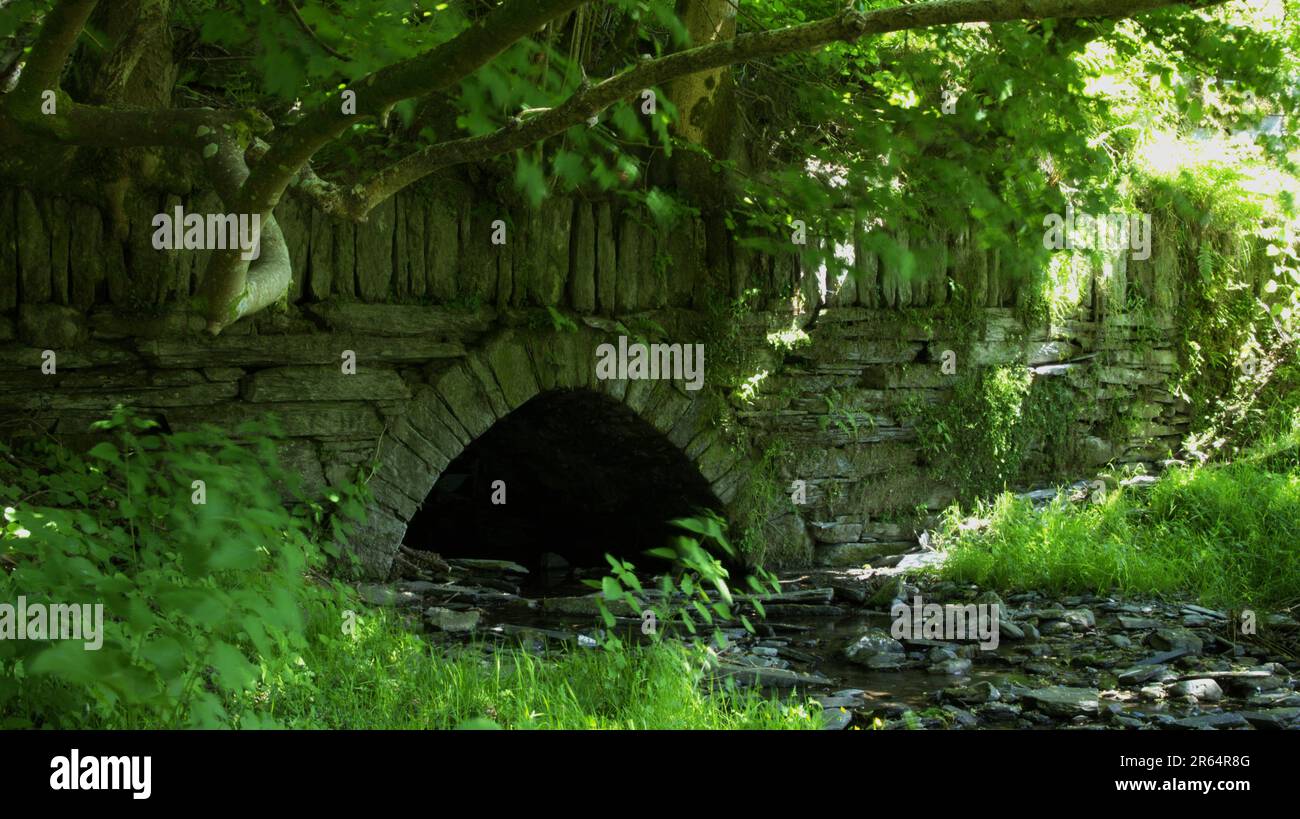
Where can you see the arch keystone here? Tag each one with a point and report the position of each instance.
(464, 396)
(509, 361)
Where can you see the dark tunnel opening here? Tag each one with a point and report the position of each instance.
(582, 476)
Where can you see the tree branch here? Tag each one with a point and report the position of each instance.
(59, 33)
(102, 126)
(432, 71)
(587, 101)
(233, 286)
(116, 70)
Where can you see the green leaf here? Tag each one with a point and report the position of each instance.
(105, 451)
(234, 671)
(529, 180)
(611, 588)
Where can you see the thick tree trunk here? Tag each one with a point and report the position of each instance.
(705, 103)
(137, 70)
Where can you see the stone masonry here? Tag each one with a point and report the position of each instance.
(445, 330)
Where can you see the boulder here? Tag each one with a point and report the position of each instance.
(1175, 639)
(1205, 690)
(876, 649)
(454, 622)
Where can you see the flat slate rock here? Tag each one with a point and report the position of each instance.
(475, 564)
(381, 595)
(1239, 674)
(1137, 623)
(799, 596)
(476, 594)
(1163, 657)
(836, 719)
(1140, 674)
(804, 610)
(1063, 701)
(1218, 719)
(770, 677)
(1272, 717)
(833, 703)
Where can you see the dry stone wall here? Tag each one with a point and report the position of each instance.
(446, 333)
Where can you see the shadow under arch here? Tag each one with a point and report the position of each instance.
(571, 472)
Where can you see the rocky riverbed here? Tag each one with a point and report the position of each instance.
(1080, 662)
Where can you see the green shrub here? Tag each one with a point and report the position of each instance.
(199, 598)
(976, 440)
(696, 586)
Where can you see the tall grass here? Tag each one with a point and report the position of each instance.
(384, 676)
(1227, 535)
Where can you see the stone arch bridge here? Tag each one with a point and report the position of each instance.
(452, 334)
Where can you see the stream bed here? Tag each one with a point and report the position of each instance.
(1082, 662)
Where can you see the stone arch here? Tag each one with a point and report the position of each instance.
(458, 403)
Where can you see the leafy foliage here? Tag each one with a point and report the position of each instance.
(983, 130)
(977, 439)
(215, 614)
(199, 599)
(693, 595)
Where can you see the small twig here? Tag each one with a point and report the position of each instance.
(302, 24)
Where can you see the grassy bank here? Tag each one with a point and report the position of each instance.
(1227, 535)
(383, 676)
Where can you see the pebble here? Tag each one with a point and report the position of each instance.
(1046, 642)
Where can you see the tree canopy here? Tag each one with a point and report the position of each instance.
(941, 113)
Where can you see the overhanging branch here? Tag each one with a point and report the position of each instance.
(589, 100)
(436, 69)
(59, 32)
(126, 127)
